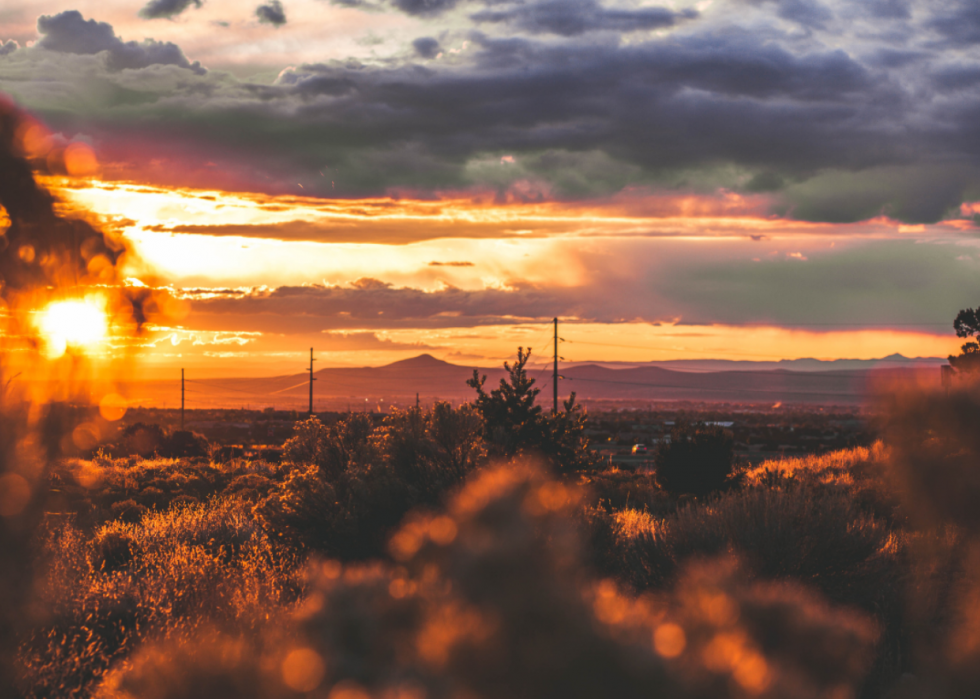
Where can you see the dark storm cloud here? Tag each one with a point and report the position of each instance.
(889, 126)
(157, 9)
(69, 32)
(424, 8)
(658, 105)
(806, 12)
(360, 4)
(809, 13)
(8, 47)
(426, 47)
(271, 13)
(573, 17)
(959, 21)
(887, 9)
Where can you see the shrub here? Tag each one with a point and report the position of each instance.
(184, 444)
(697, 460)
(112, 550)
(808, 534)
(489, 599)
(128, 511)
(171, 574)
(141, 439)
(332, 449)
(348, 502)
(432, 450)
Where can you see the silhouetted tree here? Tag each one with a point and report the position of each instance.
(967, 324)
(513, 424)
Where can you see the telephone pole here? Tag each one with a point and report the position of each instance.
(554, 379)
(181, 399)
(311, 380)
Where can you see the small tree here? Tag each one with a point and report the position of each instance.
(698, 460)
(514, 424)
(967, 324)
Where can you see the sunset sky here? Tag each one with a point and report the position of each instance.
(736, 179)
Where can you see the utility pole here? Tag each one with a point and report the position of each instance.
(181, 399)
(311, 380)
(554, 379)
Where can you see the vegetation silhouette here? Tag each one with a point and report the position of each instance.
(698, 459)
(515, 425)
(416, 557)
(967, 325)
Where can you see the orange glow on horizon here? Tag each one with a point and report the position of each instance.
(208, 239)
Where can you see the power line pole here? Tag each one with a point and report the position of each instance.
(554, 379)
(311, 380)
(181, 399)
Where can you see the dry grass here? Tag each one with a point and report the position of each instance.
(834, 467)
(174, 571)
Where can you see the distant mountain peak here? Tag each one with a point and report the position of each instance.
(423, 361)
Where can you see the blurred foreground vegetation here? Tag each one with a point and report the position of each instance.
(481, 551)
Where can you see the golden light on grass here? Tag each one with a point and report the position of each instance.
(77, 324)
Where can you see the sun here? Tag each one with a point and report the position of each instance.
(77, 324)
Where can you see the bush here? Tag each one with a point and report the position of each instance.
(812, 535)
(184, 444)
(168, 575)
(358, 486)
(141, 439)
(697, 460)
(331, 449)
(128, 511)
(489, 599)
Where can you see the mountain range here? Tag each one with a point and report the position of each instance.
(374, 388)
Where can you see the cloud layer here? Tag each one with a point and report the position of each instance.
(156, 9)
(70, 33)
(837, 111)
(272, 13)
